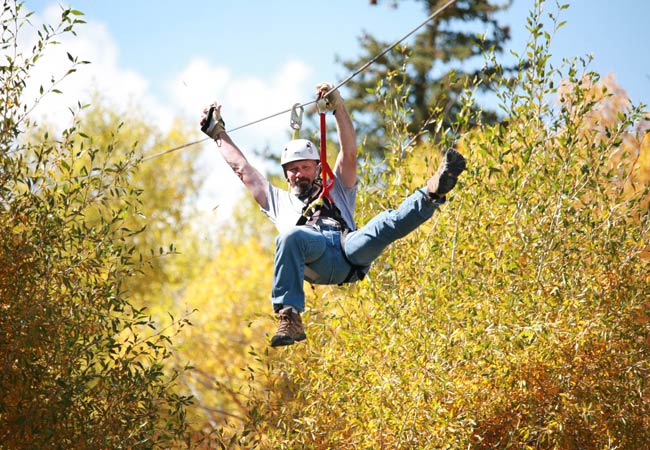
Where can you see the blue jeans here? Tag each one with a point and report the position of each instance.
(315, 254)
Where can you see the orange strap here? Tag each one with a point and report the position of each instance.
(327, 174)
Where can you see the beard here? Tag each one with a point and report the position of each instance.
(305, 189)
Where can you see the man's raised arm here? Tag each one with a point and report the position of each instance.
(213, 125)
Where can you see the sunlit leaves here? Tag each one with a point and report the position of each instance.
(82, 367)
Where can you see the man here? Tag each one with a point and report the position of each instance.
(323, 245)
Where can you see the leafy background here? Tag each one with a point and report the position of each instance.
(518, 317)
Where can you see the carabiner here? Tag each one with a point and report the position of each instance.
(296, 116)
(321, 105)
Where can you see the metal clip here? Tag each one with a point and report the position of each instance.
(296, 116)
(322, 105)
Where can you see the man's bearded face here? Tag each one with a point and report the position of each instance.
(302, 176)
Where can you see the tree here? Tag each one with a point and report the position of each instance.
(167, 215)
(231, 299)
(82, 366)
(430, 74)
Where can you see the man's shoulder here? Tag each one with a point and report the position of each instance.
(280, 193)
(283, 199)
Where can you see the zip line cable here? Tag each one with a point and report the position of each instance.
(302, 105)
(180, 147)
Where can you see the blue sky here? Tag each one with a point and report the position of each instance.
(259, 57)
(256, 37)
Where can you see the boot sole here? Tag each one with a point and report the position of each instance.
(281, 341)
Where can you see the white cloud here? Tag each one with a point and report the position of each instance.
(93, 43)
(245, 99)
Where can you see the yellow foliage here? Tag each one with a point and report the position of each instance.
(231, 297)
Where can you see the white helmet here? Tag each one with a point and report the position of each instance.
(299, 149)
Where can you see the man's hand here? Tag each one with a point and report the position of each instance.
(333, 100)
(211, 122)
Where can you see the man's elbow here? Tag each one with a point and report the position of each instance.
(240, 170)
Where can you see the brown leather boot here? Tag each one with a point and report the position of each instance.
(290, 328)
(447, 174)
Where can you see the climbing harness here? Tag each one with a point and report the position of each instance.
(323, 211)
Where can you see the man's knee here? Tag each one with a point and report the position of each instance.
(291, 237)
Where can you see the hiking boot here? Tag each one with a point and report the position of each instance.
(446, 176)
(290, 329)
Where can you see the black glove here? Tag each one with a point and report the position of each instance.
(211, 122)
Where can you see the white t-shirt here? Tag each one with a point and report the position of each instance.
(285, 208)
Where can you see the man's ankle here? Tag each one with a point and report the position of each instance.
(277, 307)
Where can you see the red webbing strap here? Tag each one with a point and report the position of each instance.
(327, 174)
